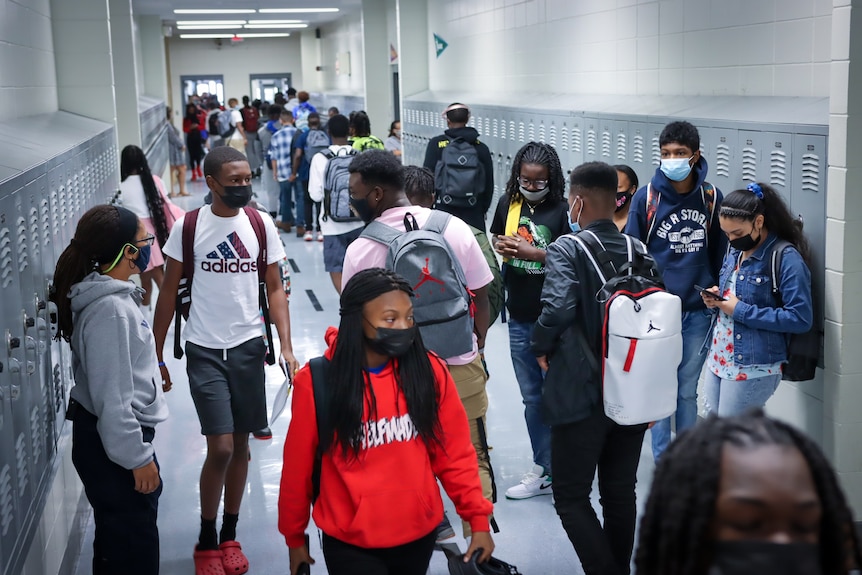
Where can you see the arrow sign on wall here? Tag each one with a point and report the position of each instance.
(440, 44)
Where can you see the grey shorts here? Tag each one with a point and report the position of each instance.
(334, 248)
(228, 387)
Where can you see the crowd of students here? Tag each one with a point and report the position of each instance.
(400, 390)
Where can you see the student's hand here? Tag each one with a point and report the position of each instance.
(288, 358)
(147, 478)
(480, 540)
(710, 302)
(543, 362)
(274, 175)
(167, 384)
(298, 556)
(292, 177)
(729, 305)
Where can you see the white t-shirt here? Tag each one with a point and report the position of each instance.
(225, 309)
(133, 196)
(235, 118)
(364, 253)
(315, 191)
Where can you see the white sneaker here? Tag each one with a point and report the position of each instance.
(308, 236)
(534, 483)
(320, 236)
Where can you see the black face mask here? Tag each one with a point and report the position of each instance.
(622, 200)
(392, 342)
(764, 558)
(745, 243)
(362, 209)
(236, 196)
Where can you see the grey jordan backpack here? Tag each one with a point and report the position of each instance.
(442, 304)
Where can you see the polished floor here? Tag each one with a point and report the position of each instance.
(531, 536)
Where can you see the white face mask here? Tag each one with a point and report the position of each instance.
(533, 196)
(676, 169)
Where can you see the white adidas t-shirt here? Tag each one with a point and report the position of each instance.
(225, 310)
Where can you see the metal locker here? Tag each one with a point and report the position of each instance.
(719, 148)
(592, 140)
(620, 143)
(606, 140)
(576, 141)
(774, 153)
(808, 198)
(644, 152)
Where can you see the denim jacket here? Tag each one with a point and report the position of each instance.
(760, 328)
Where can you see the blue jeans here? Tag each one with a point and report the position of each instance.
(299, 201)
(286, 202)
(695, 325)
(731, 397)
(530, 377)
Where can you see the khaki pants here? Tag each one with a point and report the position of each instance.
(470, 381)
(236, 143)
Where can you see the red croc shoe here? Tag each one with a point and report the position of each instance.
(209, 562)
(233, 559)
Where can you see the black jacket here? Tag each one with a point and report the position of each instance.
(433, 153)
(572, 390)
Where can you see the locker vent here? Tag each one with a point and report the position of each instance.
(778, 168)
(656, 151)
(522, 132)
(722, 160)
(23, 256)
(512, 130)
(496, 128)
(553, 133)
(622, 144)
(57, 374)
(531, 133)
(487, 130)
(564, 138)
(749, 164)
(591, 142)
(638, 148)
(810, 172)
(45, 220)
(606, 143)
(7, 509)
(36, 433)
(55, 213)
(503, 129)
(21, 464)
(576, 139)
(7, 274)
(542, 134)
(34, 233)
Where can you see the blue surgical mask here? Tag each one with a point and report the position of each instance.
(676, 169)
(143, 258)
(575, 225)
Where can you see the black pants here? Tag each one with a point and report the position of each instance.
(577, 449)
(309, 208)
(127, 538)
(408, 559)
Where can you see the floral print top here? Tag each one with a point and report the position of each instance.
(720, 359)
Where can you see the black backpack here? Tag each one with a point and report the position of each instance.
(459, 177)
(804, 350)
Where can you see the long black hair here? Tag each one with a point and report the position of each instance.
(675, 532)
(350, 384)
(134, 162)
(747, 204)
(537, 153)
(100, 235)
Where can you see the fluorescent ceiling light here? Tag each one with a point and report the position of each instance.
(276, 26)
(229, 36)
(296, 10)
(209, 22)
(211, 27)
(273, 22)
(214, 11)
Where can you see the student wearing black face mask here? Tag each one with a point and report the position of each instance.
(748, 339)
(396, 426)
(746, 495)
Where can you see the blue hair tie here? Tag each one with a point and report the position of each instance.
(756, 190)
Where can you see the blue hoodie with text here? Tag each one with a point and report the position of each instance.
(686, 239)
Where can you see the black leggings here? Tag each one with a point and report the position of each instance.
(408, 559)
(309, 208)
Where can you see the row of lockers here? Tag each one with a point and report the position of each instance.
(791, 158)
(39, 210)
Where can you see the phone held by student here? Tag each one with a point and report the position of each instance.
(709, 293)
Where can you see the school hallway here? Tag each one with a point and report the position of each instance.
(531, 536)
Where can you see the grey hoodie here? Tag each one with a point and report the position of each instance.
(117, 378)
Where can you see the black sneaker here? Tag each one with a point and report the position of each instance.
(263, 434)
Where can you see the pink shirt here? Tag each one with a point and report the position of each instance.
(363, 253)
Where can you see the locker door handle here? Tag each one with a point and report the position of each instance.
(30, 346)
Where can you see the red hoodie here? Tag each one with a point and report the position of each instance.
(388, 495)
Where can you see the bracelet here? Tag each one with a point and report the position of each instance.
(161, 364)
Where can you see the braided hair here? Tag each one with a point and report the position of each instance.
(675, 532)
(419, 185)
(134, 162)
(537, 153)
(350, 383)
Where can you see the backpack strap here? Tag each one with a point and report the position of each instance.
(652, 202)
(437, 221)
(597, 254)
(319, 369)
(381, 233)
(260, 232)
(190, 224)
(775, 267)
(707, 193)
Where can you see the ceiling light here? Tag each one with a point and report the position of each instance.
(265, 35)
(209, 22)
(296, 10)
(228, 36)
(211, 27)
(273, 22)
(215, 11)
(276, 26)
(201, 36)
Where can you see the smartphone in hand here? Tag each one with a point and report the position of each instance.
(708, 293)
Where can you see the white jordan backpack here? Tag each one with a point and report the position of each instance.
(641, 335)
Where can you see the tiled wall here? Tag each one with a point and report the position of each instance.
(28, 81)
(644, 47)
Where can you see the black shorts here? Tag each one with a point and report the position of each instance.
(228, 387)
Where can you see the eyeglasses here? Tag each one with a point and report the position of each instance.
(537, 184)
(150, 239)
